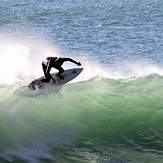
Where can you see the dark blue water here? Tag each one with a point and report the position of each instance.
(106, 30)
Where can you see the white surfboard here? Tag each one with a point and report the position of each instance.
(68, 75)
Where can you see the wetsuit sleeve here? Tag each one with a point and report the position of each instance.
(51, 58)
(70, 60)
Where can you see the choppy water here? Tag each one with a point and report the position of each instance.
(113, 112)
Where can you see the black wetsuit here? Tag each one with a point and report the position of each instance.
(55, 62)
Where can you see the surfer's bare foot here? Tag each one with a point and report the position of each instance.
(44, 80)
(60, 76)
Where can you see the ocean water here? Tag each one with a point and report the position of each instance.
(112, 112)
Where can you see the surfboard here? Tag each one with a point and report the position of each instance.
(68, 75)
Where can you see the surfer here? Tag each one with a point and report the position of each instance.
(55, 62)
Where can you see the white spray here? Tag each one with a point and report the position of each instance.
(21, 60)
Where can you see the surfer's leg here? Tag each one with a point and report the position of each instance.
(45, 80)
(61, 70)
(44, 68)
(47, 76)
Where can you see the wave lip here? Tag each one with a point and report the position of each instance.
(119, 112)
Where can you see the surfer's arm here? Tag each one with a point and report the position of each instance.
(71, 60)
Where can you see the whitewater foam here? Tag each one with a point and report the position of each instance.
(20, 60)
(29, 155)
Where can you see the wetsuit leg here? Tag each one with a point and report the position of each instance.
(61, 70)
(47, 76)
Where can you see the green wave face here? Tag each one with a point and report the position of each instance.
(111, 114)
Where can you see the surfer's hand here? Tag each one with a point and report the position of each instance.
(78, 63)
